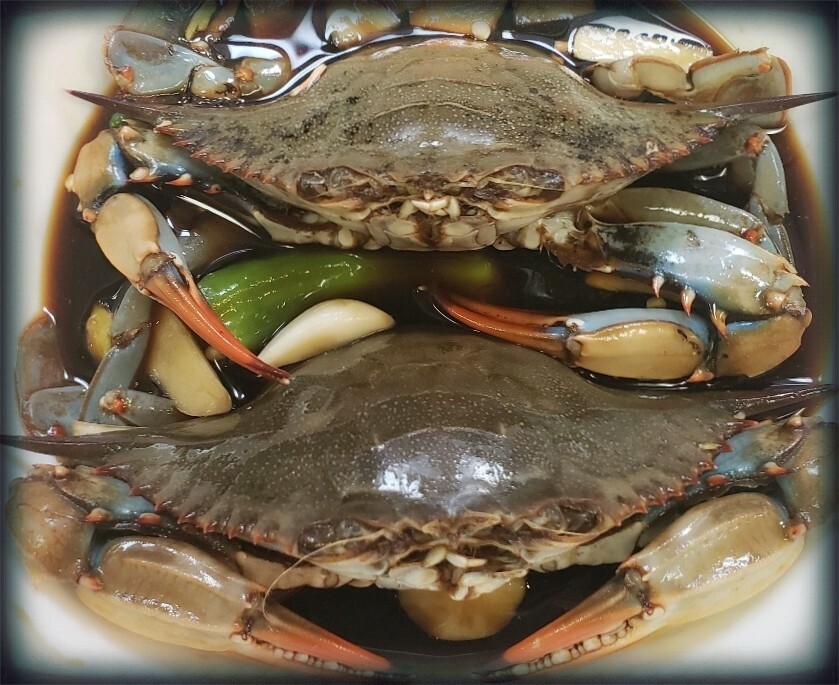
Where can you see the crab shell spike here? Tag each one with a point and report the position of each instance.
(693, 569)
(136, 239)
(687, 296)
(742, 110)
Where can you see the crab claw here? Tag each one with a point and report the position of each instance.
(295, 638)
(162, 588)
(644, 344)
(136, 239)
(185, 596)
(718, 554)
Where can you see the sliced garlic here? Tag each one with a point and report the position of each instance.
(177, 364)
(97, 333)
(467, 619)
(80, 428)
(323, 327)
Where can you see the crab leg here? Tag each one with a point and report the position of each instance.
(136, 239)
(130, 332)
(162, 588)
(639, 343)
(651, 204)
(768, 197)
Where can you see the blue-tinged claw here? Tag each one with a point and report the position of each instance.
(726, 271)
(643, 344)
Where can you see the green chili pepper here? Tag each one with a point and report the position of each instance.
(254, 297)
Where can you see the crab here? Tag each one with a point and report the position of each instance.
(449, 466)
(61, 480)
(465, 163)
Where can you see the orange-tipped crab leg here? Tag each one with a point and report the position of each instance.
(718, 554)
(136, 239)
(647, 344)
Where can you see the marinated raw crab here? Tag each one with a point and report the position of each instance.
(445, 466)
(490, 143)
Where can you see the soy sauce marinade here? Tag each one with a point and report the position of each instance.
(528, 283)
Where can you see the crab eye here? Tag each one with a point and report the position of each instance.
(529, 177)
(336, 183)
(311, 185)
(520, 181)
(569, 517)
(323, 533)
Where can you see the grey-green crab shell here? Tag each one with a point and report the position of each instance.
(445, 117)
(378, 452)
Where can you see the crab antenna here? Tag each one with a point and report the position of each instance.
(771, 105)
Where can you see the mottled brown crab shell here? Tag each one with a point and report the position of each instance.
(466, 118)
(399, 439)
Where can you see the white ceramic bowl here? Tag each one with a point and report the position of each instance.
(783, 634)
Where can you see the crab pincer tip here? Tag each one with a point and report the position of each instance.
(167, 287)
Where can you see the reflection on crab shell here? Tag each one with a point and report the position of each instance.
(446, 466)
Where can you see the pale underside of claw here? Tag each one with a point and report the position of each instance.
(716, 555)
(608, 39)
(732, 77)
(214, 608)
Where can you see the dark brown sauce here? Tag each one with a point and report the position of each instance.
(371, 617)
